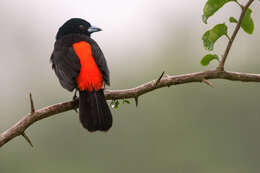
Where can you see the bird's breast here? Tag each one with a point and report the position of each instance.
(90, 76)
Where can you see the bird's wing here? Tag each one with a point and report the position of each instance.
(67, 66)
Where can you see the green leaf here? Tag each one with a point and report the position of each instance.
(115, 104)
(112, 104)
(211, 36)
(247, 22)
(208, 58)
(211, 7)
(126, 101)
(233, 20)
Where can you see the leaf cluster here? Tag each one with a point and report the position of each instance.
(211, 36)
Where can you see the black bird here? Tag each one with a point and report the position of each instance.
(80, 65)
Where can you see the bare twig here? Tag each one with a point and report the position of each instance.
(241, 6)
(208, 83)
(231, 40)
(19, 128)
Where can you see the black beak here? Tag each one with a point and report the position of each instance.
(93, 29)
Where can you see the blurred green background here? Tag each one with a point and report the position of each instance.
(185, 128)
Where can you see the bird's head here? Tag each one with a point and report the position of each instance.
(76, 26)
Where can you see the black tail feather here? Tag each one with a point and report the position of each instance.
(94, 111)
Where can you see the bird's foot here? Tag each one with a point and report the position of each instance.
(75, 97)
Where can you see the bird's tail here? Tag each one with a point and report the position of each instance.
(94, 112)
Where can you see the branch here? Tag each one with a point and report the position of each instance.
(231, 40)
(19, 128)
(36, 115)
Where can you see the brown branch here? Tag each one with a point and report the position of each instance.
(231, 40)
(19, 128)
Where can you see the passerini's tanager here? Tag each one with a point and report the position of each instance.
(80, 65)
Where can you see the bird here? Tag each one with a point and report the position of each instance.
(80, 65)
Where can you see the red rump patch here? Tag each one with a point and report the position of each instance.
(90, 76)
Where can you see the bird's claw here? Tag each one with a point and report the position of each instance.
(75, 97)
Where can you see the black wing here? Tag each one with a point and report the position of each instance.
(66, 65)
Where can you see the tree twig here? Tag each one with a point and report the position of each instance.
(19, 128)
(231, 40)
(208, 83)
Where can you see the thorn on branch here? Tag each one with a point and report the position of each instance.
(159, 79)
(136, 101)
(208, 83)
(32, 104)
(27, 139)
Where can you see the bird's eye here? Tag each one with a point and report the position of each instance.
(81, 27)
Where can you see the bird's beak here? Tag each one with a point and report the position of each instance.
(93, 29)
